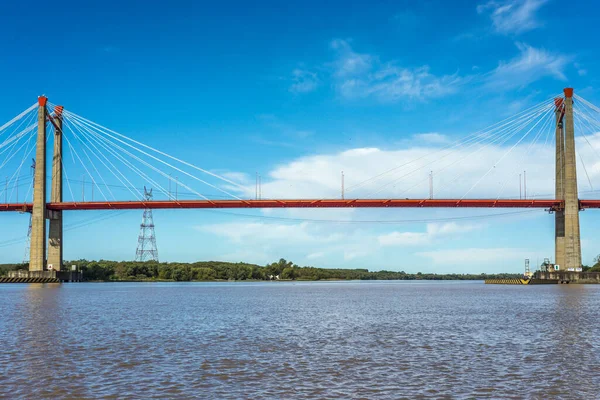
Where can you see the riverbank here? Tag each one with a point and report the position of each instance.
(215, 271)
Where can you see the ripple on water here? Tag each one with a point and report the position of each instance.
(302, 340)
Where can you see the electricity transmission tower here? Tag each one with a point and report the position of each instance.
(146, 248)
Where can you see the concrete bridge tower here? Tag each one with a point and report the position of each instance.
(39, 213)
(37, 259)
(55, 234)
(568, 246)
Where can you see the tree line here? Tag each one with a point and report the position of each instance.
(105, 270)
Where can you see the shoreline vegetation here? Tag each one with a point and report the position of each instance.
(208, 271)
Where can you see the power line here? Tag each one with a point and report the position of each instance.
(402, 221)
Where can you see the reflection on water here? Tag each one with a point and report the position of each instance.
(300, 340)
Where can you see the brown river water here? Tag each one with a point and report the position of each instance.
(286, 340)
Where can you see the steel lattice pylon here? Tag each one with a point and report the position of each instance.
(146, 248)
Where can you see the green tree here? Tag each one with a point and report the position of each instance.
(289, 273)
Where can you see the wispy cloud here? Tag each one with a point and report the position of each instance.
(529, 66)
(272, 238)
(258, 232)
(349, 63)
(512, 16)
(277, 133)
(110, 49)
(318, 254)
(304, 81)
(430, 138)
(362, 75)
(356, 75)
(282, 128)
(433, 231)
(479, 256)
(580, 70)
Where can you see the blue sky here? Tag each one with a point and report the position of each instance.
(299, 91)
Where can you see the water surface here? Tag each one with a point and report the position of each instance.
(299, 340)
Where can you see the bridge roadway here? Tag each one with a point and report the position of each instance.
(302, 203)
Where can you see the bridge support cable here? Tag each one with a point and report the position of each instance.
(505, 154)
(101, 155)
(482, 134)
(584, 112)
(114, 149)
(516, 129)
(83, 164)
(91, 162)
(584, 119)
(498, 141)
(499, 138)
(64, 170)
(551, 129)
(13, 181)
(544, 131)
(13, 139)
(5, 127)
(110, 147)
(114, 170)
(132, 142)
(580, 127)
(104, 134)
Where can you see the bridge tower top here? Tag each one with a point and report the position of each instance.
(568, 92)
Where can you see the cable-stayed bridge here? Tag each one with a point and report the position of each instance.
(114, 167)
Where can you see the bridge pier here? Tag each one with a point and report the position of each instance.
(37, 259)
(572, 242)
(55, 234)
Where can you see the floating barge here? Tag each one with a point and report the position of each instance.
(551, 277)
(5, 279)
(24, 276)
(521, 281)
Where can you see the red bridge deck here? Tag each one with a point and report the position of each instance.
(315, 203)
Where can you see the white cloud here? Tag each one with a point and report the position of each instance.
(450, 228)
(350, 63)
(318, 254)
(362, 75)
(271, 232)
(304, 81)
(292, 239)
(580, 70)
(478, 256)
(531, 65)
(433, 231)
(356, 75)
(430, 138)
(404, 172)
(351, 255)
(512, 16)
(404, 239)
